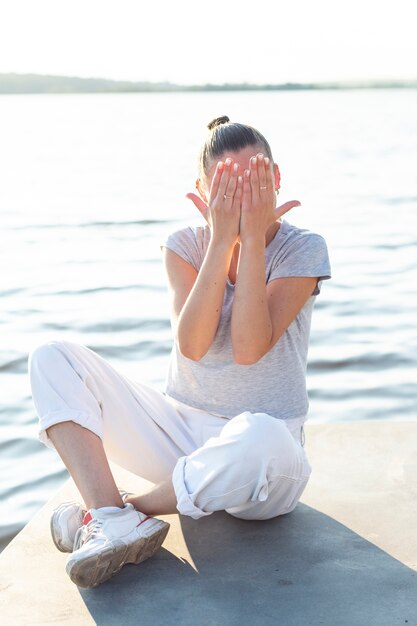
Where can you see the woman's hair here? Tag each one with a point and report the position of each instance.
(226, 136)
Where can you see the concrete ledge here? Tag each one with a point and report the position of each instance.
(346, 556)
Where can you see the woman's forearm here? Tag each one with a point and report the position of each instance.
(251, 322)
(199, 318)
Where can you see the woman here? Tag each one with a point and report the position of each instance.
(227, 434)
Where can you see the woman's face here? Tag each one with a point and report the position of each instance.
(242, 158)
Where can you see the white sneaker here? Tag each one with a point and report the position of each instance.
(66, 519)
(106, 541)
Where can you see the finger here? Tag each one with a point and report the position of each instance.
(254, 178)
(261, 174)
(238, 193)
(284, 208)
(199, 203)
(201, 206)
(216, 179)
(247, 191)
(269, 175)
(231, 186)
(224, 179)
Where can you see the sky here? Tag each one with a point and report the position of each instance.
(192, 42)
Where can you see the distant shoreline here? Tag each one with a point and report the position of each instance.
(49, 84)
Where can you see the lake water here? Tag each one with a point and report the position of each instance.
(89, 186)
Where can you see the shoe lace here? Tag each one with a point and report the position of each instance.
(87, 532)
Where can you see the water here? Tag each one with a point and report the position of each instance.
(89, 186)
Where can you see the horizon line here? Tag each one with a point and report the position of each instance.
(15, 83)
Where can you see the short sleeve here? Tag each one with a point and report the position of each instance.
(306, 255)
(184, 243)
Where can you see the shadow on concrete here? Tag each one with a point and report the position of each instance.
(299, 569)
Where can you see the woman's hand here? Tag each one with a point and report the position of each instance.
(248, 197)
(258, 202)
(223, 210)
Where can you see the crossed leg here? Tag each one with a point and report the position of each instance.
(252, 467)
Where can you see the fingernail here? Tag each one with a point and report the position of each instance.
(253, 160)
(266, 161)
(236, 167)
(247, 172)
(228, 162)
(219, 165)
(239, 179)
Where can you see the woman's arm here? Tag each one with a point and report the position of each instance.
(261, 313)
(197, 297)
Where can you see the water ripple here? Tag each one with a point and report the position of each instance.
(371, 361)
(11, 292)
(141, 349)
(126, 324)
(16, 365)
(109, 224)
(399, 199)
(137, 287)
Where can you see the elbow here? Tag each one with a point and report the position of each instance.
(245, 358)
(193, 356)
(252, 352)
(250, 355)
(190, 352)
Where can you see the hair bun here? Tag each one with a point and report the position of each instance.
(218, 121)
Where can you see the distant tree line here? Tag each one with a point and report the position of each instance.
(37, 83)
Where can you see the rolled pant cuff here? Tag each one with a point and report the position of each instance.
(184, 503)
(55, 417)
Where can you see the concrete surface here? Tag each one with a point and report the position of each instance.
(346, 556)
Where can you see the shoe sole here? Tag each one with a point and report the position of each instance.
(96, 569)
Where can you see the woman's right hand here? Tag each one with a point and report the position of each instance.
(223, 210)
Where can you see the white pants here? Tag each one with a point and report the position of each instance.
(253, 466)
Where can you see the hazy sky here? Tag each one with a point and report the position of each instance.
(188, 41)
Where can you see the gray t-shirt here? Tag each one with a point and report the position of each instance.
(276, 384)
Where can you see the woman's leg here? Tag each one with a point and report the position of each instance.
(88, 411)
(254, 456)
(254, 469)
(83, 455)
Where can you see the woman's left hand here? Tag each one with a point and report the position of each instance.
(258, 203)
